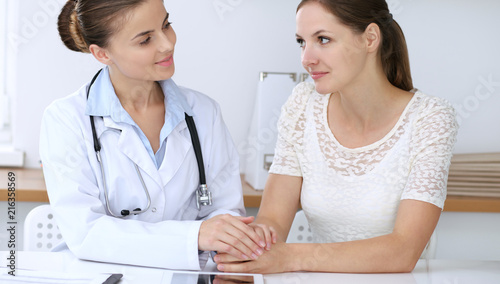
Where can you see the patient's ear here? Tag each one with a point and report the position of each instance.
(373, 37)
(101, 54)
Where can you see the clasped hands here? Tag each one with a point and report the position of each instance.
(236, 239)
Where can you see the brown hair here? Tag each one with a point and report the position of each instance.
(358, 14)
(85, 22)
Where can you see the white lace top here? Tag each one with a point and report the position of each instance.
(351, 194)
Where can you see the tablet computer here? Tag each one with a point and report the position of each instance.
(181, 277)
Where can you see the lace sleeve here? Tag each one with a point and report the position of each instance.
(290, 132)
(434, 134)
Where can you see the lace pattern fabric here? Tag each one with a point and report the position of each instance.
(349, 194)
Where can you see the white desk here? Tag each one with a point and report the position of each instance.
(427, 271)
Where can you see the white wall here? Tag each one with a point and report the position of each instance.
(468, 235)
(454, 54)
(224, 44)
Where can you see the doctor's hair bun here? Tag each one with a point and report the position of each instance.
(85, 22)
(70, 29)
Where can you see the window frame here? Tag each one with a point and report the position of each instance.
(5, 100)
(9, 156)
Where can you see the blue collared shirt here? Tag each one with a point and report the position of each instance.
(103, 102)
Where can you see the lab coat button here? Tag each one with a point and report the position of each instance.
(154, 209)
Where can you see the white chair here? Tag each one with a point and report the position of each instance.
(430, 250)
(40, 229)
(300, 231)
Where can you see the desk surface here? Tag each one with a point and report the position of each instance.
(426, 271)
(30, 186)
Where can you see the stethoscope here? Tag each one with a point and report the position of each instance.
(203, 195)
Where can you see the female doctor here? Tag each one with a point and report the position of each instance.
(138, 202)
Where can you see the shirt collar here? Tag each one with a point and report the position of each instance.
(102, 101)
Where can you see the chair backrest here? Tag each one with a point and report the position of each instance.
(40, 229)
(430, 250)
(300, 231)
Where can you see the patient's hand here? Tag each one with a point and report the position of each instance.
(276, 260)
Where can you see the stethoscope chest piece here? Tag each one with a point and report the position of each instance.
(203, 196)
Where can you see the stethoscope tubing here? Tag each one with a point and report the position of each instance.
(203, 196)
(123, 213)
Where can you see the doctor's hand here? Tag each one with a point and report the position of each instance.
(265, 232)
(231, 235)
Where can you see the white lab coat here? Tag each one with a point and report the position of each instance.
(166, 235)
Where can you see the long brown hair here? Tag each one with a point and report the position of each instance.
(358, 14)
(85, 22)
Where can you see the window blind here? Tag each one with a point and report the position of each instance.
(474, 175)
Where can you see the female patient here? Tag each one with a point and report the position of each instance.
(366, 156)
(146, 162)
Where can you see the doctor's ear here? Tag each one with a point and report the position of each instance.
(100, 54)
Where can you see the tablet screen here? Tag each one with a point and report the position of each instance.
(208, 278)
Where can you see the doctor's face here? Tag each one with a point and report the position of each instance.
(143, 48)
